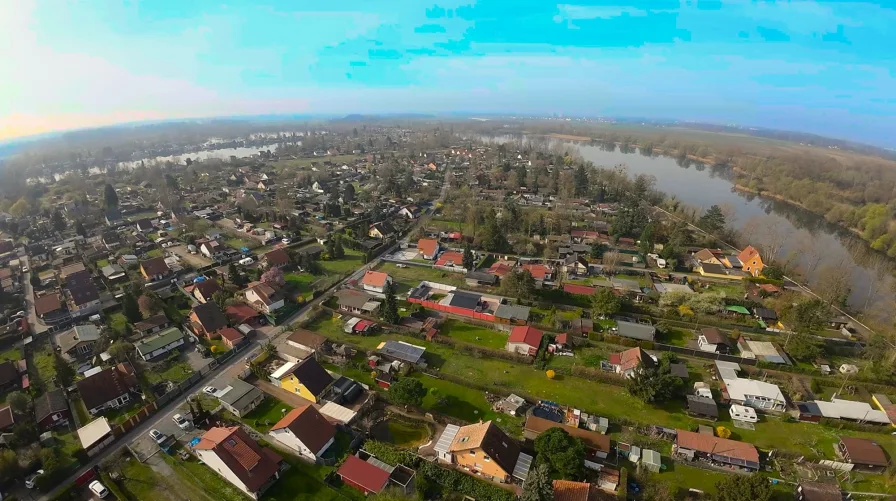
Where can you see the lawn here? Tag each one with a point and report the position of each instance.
(266, 414)
(602, 399)
(351, 262)
(473, 334)
(411, 276)
(175, 372)
(12, 354)
(102, 263)
(408, 435)
(299, 483)
(43, 362)
(204, 479)
(139, 481)
(81, 411)
(676, 337)
(301, 283)
(155, 253)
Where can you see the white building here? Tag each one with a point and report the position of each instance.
(749, 392)
(305, 431)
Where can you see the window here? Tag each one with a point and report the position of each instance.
(473, 453)
(487, 459)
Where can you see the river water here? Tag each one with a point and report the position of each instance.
(757, 217)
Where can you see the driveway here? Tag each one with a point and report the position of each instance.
(195, 260)
(36, 325)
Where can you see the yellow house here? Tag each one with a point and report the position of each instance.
(307, 378)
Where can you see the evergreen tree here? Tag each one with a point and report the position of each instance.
(646, 240)
(469, 260)
(110, 198)
(538, 485)
(713, 221)
(58, 221)
(234, 275)
(131, 308)
(390, 306)
(79, 229)
(338, 249)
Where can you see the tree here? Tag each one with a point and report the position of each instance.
(653, 385)
(804, 347)
(407, 391)
(723, 432)
(79, 229)
(20, 208)
(58, 221)
(35, 279)
(469, 260)
(610, 260)
(274, 276)
(121, 351)
(389, 310)
(520, 284)
(598, 250)
(743, 488)
(604, 302)
(9, 465)
(713, 220)
(110, 198)
(148, 305)
(550, 374)
(338, 249)
(538, 485)
(234, 275)
(65, 374)
(773, 271)
(561, 452)
(19, 402)
(131, 308)
(645, 243)
(808, 317)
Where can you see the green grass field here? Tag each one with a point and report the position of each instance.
(266, 414)
(406, 278)
(408, 435)
(351, 262)
(473, 334)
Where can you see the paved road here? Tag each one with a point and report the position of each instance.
(33, 322)
(223, 374)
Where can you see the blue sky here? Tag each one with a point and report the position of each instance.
(824, 67)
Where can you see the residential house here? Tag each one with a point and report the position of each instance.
(240, 460)
(206, 320)
(358, 302)
(144, 225)
(708, 256)
(428, 248)
(713, 340)
(749, 392)
(751, 261)
(111, 240)
(51, 409)
(817, 491)
(108, 389)
(211, 248)
(501, 268)
(113, 273)
(154, 269)
(575, 265)
(85, 298)
(306, 340)
(381, 230)
(264, 298)
(698, 446)
(151, 325)
(231, 337)
(306, 431)
(312, 251)
(368, 477)
(240, 397)
(375, 281)
(484, 449)
(307, 379)
(540, 272)
(409, 212)
(113, 217)
(863, 454)
(160, 345)
(78, 342)
(49, 306)
(7, 419)
(630, 361)
(242, 313)
(204, 290)
(761, 350)
(276, 257)
(524, 339)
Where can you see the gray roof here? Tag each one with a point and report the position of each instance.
(465, 300)
(78, 334)
(400, 350)
(112, 269)
(702, 406)
(643, 332)
(481, 276)
(50, 402)
(239, 394)
(512, 312)
(165, 338)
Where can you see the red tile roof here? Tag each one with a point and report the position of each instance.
(747, 254)
(527, 335)
(375, 278)
(241, 313)
(453, 257)
(501, 268)
(46, 304)
(538, 271)
(568, 490)
(309, 426)
(231, 334)
(364, 474)
(276, 257)
(427, 246)
(708, 444)
(252, 464)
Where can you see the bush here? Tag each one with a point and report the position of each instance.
(622, 491)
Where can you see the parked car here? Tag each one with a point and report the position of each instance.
(99, 489)
(181, 422)
(210, 390)
(246, 261)
(286, 241)
(29, 480)
(399, 265)
(156, 435)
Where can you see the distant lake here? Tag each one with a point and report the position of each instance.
(703, 186)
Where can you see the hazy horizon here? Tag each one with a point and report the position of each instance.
(815, 67)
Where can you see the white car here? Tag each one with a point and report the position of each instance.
(156, 435)
(25, 269)
(286, 241)
(210, 390)
(399, 265)
(181, 422)
(99, 489)
(29, 480)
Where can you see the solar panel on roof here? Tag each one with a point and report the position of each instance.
(447, 438)
(403, 351)
(521, 470)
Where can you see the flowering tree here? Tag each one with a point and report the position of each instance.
(274, 277)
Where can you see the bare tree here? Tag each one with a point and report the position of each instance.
(772, 237)
(810, 252)
(880, 268)
(834, 283)
(610, 260)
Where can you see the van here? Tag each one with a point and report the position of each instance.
(743, 413)
(246, 261)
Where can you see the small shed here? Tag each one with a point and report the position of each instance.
(652, 460)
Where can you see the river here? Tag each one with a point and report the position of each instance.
(757, 217)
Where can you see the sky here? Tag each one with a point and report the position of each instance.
(822, 67)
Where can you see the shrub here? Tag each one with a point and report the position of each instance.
(723, 432)
(550, 374)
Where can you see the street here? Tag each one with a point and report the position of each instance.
(222, 375)
(34, 323)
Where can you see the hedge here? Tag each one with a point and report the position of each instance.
(451, 480)
(622, 491)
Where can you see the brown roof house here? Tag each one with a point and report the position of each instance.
(264, 298)
(78, 342)
(485, 450)
(306, 431)
(152, 325)
(204, 290)
(817, 491)
(276, 257)
(240, 460)
(864, 454)
(375, 281)
(51, 409)
(692, 446)
(713, 340)
(629, 361)
(428, 248)
(47, 306)
(207, 319)
(108, 389)
(154, 269)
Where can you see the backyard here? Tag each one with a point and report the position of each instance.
(406, 278)
(473, 334)
(266, 414)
